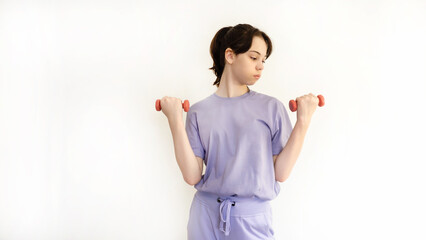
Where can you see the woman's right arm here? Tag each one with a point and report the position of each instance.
(190, 165)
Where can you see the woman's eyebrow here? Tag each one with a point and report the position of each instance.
(256, 52)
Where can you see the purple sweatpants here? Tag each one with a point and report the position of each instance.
(214, 217)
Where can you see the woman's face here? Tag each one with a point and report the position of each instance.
(246, 65)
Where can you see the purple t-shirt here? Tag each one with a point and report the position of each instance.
(237, 137)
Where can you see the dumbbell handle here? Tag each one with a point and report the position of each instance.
(293, 103)
(185, 105)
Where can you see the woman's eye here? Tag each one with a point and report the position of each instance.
(255, 59)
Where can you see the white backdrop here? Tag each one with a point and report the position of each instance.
(84, 154)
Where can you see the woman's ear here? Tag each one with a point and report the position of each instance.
(229, 55)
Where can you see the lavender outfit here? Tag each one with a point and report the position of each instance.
(237, 138)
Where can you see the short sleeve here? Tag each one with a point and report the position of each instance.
(192, 130)
(282, 128)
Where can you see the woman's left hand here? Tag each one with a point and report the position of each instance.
(306, 106)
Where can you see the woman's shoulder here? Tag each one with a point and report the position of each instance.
(266, 98)
(200, 104)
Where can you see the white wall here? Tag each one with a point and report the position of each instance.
(84, 154)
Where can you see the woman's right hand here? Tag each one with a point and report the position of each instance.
(171, 107)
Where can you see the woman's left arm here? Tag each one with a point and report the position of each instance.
(286, 159)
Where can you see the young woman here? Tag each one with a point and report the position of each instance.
(245, 139)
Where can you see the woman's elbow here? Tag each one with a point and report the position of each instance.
(192, 181)
(281, 178)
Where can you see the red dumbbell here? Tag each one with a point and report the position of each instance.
(293, 104)
(185, 105)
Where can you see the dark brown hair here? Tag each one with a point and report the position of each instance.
(239, 38)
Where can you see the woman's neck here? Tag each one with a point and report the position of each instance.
(231, 89)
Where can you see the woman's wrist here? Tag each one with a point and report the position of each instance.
(304, 123)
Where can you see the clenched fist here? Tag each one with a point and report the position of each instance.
(171, 107)
(306, 106)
